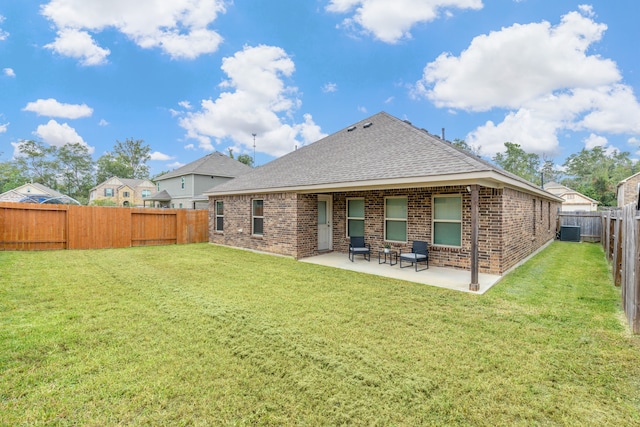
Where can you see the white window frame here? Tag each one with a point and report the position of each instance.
(146, 193)
(352, 217)
(182, 182)
(450, 221)
(406, 220)
(254, 217)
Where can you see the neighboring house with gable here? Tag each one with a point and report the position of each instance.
(391, 182)
(35, 193)
(628, 189)
(126, 192)
(572, 200)
(182, 188)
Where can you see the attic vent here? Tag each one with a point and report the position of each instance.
(352, 128)
(367, 125)
(407, 122)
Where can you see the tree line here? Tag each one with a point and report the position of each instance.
(71, 170)
(593, 172)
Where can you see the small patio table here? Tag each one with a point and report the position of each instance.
(390, 257)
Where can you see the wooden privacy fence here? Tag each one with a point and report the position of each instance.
(25, 226)
(620, 238)
(590, 224)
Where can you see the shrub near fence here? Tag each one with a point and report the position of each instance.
(25, 226)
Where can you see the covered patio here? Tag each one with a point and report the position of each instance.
(449, 278)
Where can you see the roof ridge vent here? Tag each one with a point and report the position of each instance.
(367, 125)
(352, 128)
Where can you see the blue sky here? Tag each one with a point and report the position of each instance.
(192, 76)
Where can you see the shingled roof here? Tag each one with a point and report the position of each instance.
(381, 151)
(214, 164)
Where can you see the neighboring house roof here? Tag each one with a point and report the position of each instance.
(214, 164)
(42, 189)
(129, 182)
(561, 190)
(162, 196)
(379, 152)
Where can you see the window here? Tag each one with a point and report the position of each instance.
(355, 217)
(180, 206)
(257, 217)
(108, 192)
(158, 187)
(219, 215)
(395, 219)
(447, 220)
(146, 193)
(182, 182)
(534, 217)
(125, 194)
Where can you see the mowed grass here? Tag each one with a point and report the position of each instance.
(208, 335)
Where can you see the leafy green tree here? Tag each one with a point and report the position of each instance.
(246, 159)
(549, 171)
(38, 162)
(596, 173)
(462, 144)
(519, 162)
(11, 176)
(76, 171)
(128, 160)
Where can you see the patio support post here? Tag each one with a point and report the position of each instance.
(474, 285)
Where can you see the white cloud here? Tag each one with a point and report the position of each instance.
(594, 140)
(391, 21)
(103, 123)
(156, 155)
(177, 27)
(9, 72)
(3, 127)
(52, 108)
(176, 165)
(185, 104)
(258, 101)
(544, 79)
(362, 109)
(3, 34)
(56, 134)
(330, 88)
(634, 141)
(79, 45)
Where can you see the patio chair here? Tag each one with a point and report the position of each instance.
(357, 246)
(419, 254)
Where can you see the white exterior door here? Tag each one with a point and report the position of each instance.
(325, 214)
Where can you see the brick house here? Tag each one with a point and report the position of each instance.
(390, 182)
(628, 189)
(122, 191)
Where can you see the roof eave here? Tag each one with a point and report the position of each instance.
(489, 179)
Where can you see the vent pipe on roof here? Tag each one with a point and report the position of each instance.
(443, 135)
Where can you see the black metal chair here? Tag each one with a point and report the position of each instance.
(357, 246)
(419, 254)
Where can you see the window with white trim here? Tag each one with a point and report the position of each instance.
(146, 193)
(257, 217)
(447, 220)
(395, 219)
(219, 215)
(108, 192)
(182, 182)
(355, 217)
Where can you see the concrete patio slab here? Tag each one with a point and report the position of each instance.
(448, 278)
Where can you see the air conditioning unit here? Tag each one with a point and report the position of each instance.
(570, 233)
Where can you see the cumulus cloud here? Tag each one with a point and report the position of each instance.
(594, 140)
(156, 155)
(391, 21)
(542, 76)
(9, 72)
(178, 27)
(176, 165)
(52, 108)
(257, 100)
(3, 127)
(103, 123)
(56, 134)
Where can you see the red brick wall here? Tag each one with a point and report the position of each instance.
(511, 228)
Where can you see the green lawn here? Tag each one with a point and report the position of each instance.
(206, 335)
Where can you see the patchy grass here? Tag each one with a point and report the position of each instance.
(207, 335)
